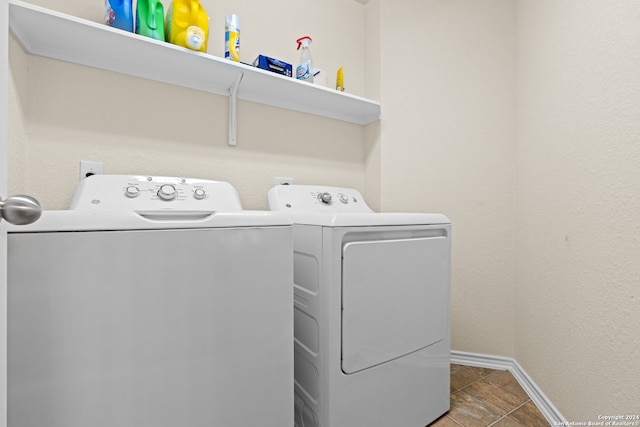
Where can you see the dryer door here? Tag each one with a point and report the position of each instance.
(395, 299)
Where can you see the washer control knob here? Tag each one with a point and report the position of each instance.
(199, 194)
(167, 192)
(132, 191)
(325, 197)
(344, 199)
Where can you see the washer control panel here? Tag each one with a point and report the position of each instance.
(313, 198)
(151, 193)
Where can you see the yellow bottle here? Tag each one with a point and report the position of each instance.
(187, 25)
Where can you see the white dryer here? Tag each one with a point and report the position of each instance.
(371, 310)
(154, 301)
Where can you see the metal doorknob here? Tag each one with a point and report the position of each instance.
(20, 210)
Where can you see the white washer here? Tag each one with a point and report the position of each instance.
(371, 310)
(155, 301)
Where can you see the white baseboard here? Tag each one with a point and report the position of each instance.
(549, 411)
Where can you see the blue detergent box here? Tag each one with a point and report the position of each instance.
(273, 65)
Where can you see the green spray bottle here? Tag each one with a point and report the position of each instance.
(150, 19)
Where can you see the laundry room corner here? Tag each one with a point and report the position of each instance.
(448, 141)
(578, 302)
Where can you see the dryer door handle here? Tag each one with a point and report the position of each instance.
(20, 210)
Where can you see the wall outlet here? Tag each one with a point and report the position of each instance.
(283, 181)
(88, 168)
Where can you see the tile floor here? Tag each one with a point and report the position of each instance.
(483, 397)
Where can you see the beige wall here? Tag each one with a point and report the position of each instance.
(448, 132)
(373, 148)
(519, 119)
(578, 216)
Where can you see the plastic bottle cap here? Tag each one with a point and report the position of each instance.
(304, 41)
(194, 37)
(232, 21)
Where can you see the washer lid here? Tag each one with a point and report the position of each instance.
(116, 220)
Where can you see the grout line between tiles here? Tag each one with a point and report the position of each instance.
(470, 384)
(479, 379)
(502, 417)
(455, 421)
(509, 413)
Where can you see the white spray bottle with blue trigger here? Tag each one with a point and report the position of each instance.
(305, 68)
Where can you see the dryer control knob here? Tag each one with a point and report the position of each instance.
(167, 192)
(132, 191)
(325, 197)
(344, 199)
(199, 194)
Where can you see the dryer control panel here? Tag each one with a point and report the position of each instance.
(314, 198)
(154, 193)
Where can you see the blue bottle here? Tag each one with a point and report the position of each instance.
(119, 14)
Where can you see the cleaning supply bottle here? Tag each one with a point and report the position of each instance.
(119, 14)
(232, 38)
(305, 67)
(340, 80)
(150, 19)
(187, 25)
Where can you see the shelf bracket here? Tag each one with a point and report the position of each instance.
(233, 110)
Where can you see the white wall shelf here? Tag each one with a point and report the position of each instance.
(67, 38)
